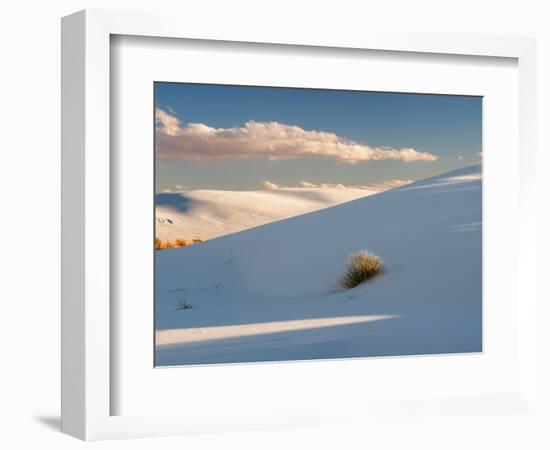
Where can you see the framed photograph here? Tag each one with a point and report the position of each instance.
(266, 228)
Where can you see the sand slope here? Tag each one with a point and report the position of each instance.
(271, 292)
(206, 214)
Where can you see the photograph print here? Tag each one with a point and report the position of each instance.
(300, 224)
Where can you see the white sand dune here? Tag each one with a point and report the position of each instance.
(205, 214)
(271, 293)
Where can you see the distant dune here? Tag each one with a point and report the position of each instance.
(205, 214)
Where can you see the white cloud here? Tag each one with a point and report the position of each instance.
(270, 140)
(169, 124)
(270, 185)
(307, 184)
(381, 186)
(460, 157)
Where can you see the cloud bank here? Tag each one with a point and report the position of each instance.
(382, 186)
(268, 140)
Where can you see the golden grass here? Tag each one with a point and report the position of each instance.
(161, 244)
(362, 266)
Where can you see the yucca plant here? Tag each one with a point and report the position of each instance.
(362, 266)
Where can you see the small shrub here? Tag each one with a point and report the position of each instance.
(362, 266)
(160, 244)
(180, 242)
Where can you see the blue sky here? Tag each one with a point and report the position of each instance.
(225, 153)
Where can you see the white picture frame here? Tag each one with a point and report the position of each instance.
(88, 323)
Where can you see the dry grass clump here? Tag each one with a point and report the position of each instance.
(362, 266)
(161, 244)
